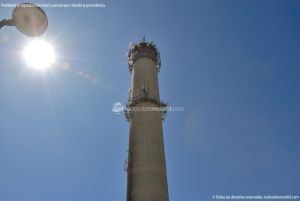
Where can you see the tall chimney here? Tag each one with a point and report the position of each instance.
(146, 166)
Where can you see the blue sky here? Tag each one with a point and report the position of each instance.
(232, 65)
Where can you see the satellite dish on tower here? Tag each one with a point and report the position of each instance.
(30, 19)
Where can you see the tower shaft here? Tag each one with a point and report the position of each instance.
(146, 173)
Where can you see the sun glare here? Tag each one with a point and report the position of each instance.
(39, 54)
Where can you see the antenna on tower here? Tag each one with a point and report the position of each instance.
(144, 39)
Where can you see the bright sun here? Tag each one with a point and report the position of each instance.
(39, 54)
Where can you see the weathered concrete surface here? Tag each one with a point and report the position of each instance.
(147, 176)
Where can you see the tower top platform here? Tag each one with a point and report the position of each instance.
(143, 50)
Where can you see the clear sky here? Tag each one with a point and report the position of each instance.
(233, 65)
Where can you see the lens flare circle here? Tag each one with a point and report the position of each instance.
(39, 54)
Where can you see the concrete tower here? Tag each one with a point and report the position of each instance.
(146, 166)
